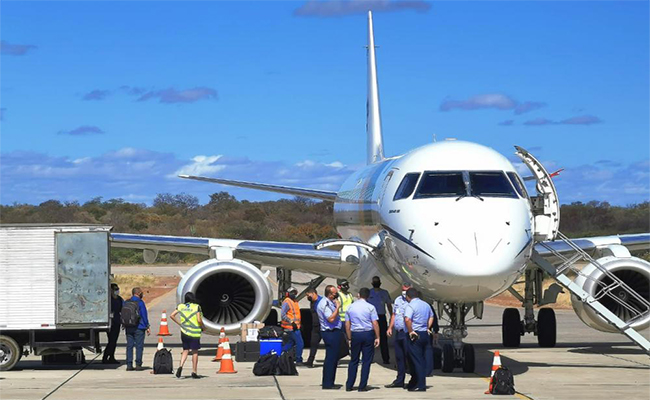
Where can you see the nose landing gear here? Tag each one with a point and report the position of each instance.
(455, 353)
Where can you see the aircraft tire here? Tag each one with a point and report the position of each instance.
(469, 360)
(511, 328)
(448, 358)
(546, 328)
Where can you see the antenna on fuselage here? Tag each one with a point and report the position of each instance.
(373, 122)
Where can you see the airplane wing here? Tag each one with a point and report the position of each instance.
(633, 242)
(296, 256)
(311, 193)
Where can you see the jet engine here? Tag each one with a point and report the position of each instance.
(229, 293)
(634, 272)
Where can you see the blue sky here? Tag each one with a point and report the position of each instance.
(114, 99)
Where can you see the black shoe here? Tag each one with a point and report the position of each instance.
(195, 376)
(179, 371)
(300, 364)
(308, 364)
(113, 361)
(130, 368)
(139, 368)
(366, 389)
(335, 387)
(395, 385)
(348, 389)
(417, 390)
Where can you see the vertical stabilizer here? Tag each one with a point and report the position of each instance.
(373, 124)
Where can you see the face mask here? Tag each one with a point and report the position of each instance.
(376, 284)
(117, 292)
(404, 293)
(292, 296)
(141, 295)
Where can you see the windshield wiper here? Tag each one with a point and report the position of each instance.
(461, 196)
(478, 197)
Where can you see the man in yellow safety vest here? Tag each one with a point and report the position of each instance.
(190, 318)
(346, 298)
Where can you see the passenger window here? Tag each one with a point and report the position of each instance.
(519, 186)
(441, 184)
(491, 184)
(407, 186)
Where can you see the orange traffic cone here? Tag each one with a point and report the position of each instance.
(495, 365)
(227, 366)
(161, 345)
(222, 337)
(164, 329)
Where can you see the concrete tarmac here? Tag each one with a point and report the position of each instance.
(586, 364)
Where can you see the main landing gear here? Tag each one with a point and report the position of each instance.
(545, 327)
(457, 353)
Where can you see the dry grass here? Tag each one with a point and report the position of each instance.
(128, 282)
(507, 299)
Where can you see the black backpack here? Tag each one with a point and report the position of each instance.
(266, 365)
(286, 364)
(130, 315)
(503, 382)
(271, 332)
(163, 362)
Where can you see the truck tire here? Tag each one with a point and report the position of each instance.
(10, 353)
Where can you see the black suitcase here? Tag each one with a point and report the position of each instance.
(247, 351)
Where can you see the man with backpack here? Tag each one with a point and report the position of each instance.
(136, 324)
(189, 317)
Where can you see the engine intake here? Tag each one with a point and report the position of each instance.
(634, 272)
(229, 293)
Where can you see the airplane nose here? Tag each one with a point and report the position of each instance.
(480, 241)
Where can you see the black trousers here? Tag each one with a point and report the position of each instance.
(313, 346)
(109, 351)
(383, 338)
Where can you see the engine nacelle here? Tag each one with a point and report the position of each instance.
(229, 293)
(634, 271)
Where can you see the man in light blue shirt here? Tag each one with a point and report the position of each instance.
(330, 327)
(418, 318)
(398, 329)
(362, 330)
(381, 300)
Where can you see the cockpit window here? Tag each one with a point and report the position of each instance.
(441, 184)
(491, 184)
(407, 186)
(519, 186)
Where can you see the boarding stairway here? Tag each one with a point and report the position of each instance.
(604, 288)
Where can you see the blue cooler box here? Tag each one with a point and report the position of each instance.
(268, 345)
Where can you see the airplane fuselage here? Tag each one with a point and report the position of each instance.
(451, 217)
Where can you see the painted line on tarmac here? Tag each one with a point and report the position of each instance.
(70, 378)
(277, 384)
(517, 394)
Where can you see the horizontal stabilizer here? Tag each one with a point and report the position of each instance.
(311, 193)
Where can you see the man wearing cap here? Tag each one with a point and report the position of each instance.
(418, 319)
(330, 329)
(291, 324)
(346, 299)
(398, 329)
(114, 333)
(381, 300)
(363, 332)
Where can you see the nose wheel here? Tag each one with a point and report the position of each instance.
(463, 358)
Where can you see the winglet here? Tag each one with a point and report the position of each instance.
(373, 122)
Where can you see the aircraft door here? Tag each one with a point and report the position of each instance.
(546, 205)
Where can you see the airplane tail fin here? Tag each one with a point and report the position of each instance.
(373, 123)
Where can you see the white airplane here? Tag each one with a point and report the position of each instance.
(452, 217)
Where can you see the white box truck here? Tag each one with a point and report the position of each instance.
(54, 289)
